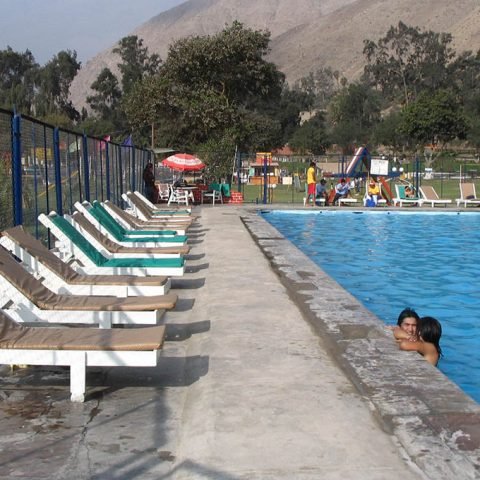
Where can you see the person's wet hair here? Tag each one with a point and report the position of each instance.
(406, 313)
(430, 331)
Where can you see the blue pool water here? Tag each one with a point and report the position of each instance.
(393, 260)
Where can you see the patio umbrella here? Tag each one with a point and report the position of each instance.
(183, 162)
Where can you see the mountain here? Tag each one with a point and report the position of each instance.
(305, 34)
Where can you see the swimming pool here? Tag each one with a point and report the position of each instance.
(429, 261)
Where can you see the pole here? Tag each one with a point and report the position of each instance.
(58, 173)
(17, 170)
(238, 156)
(265, 178)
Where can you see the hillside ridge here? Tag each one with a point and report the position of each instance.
(305, 34)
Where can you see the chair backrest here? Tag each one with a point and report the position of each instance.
(429, 192)
(126, 217)
(37, 250)
(400, 191)
(107, 221)
(467, 191)
(402, 194)
(23, 281)
(78, 239)
(139, 205)
(225, 189)
(94, 232)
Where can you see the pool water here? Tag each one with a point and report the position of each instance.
(392, 260)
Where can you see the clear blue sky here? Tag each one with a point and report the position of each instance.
(46, 27)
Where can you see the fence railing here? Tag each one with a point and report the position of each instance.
(45, 168)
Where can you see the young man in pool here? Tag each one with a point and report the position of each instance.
(407, 324)
(428, 343)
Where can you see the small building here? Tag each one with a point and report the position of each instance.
(256, 170)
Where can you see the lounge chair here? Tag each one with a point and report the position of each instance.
(174, 212)
(25, 298)
(111, 249)
(131, 222)
(468, 195)
(430, 196)
(79, 348)
(380, 200)
(116, 233)
(142, 211)
(94, 262)
(401, 199)
(61, 277)
(107, 222)
(347, 201)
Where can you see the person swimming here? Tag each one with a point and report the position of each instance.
(429, 332)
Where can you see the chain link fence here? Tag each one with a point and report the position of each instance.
(45, 168)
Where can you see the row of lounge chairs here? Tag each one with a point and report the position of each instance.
(430, 197)
(108, 282)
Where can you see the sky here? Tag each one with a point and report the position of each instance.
(45, 27)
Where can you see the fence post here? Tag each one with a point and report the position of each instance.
(132, 152)
(58, 174)
(17, 170)
(86, 167)
(107, 167)
(238, 158)
(265, 179)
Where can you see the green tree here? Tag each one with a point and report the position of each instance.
(320, 86)
(434, 119)
(54, 82)
(18, 76)
(311, 137)
(136, 62)
(106, 100)
(208, 84)
(353, 114)
(387, 131)
(408, 61)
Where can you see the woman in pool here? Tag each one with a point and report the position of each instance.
(428, 344)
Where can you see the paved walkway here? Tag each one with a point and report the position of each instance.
(248, 387)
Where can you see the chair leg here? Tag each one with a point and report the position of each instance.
(78, 373)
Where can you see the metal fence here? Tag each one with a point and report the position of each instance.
(45, 168)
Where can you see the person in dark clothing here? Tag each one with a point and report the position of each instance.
(149, 180)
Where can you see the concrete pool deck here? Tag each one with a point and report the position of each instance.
(270, 371)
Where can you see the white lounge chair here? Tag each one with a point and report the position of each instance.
(380, 200)
(92, 261)
(96, 215)
(347, 201)
(468, 195)
(144, 212)
(79, 348)
(27, 299)
(430, 196)
(172, 211)
(401, 199)
(61, 277)
(132, 222)
(111, 249)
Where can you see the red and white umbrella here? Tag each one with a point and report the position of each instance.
(183, 162)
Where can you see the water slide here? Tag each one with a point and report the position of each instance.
(359, 155)
(386, 190)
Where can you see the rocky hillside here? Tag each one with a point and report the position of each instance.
(306, 34)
